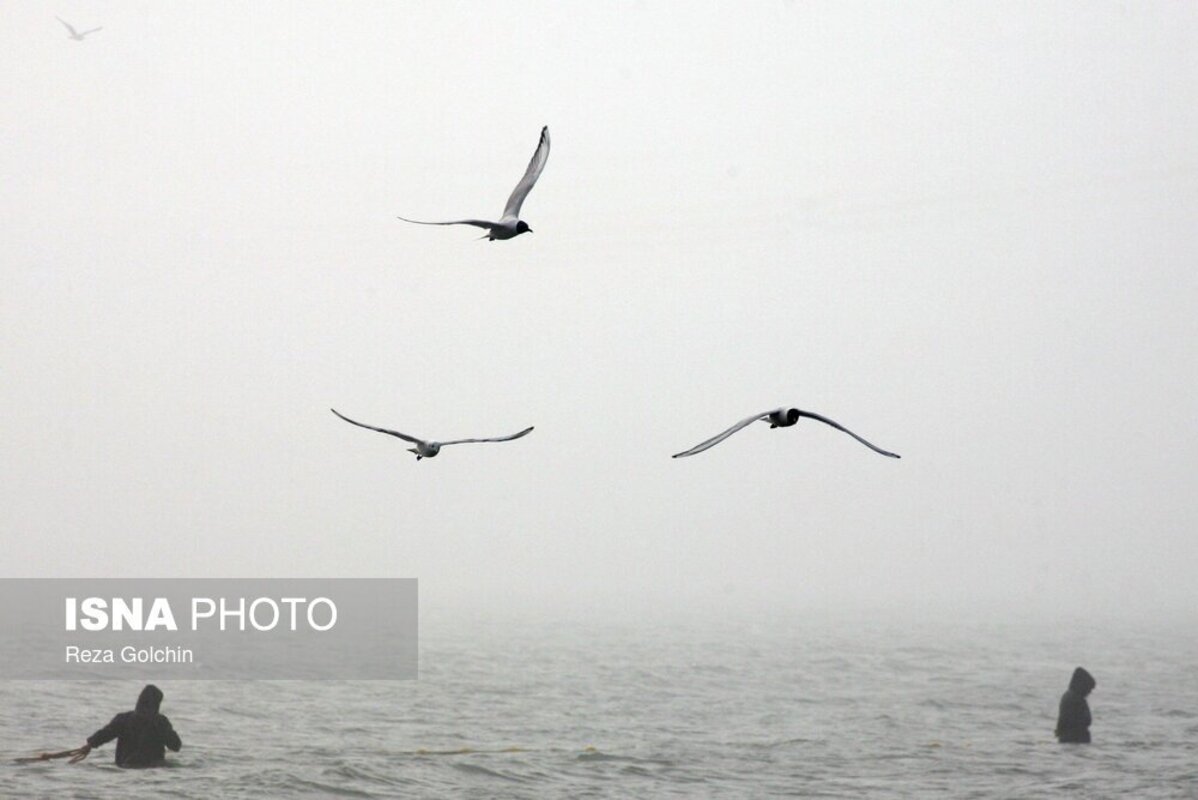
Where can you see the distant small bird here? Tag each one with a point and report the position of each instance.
(74, 34)
(509, 224)
(425, 449)
(778, 418)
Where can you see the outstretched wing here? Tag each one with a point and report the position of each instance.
(478, 223)
(714, 440)
(497, 439)
(397, 434)
(840, 427)
(93, 30)
(67, 25)
(535, 167)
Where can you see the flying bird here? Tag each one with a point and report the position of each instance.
(425, 449)
(74, 34)
(778, 418)
(509, 224)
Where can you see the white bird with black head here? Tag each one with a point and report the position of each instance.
(426, 449)
(509, 225)
(778, 418)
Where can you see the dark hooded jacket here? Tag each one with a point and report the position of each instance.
(1073, 722)
(142, 734)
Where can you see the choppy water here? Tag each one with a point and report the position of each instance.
(697, 709)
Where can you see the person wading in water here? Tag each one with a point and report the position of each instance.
(142, 735)
(1073, 722)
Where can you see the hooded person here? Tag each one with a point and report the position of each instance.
(1073, 721)
(142, 735)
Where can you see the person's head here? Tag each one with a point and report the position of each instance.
(1082, 682)
(150, 699)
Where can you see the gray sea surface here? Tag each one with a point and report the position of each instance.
(662, 707)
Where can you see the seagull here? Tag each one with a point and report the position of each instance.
(425, 449)
(74, 34)
(509, 224)
(778, 418)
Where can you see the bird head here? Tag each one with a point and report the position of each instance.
(522, 227)
(784, 417)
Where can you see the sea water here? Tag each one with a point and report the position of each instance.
(793, 705)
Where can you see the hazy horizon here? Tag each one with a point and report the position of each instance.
(964, 231)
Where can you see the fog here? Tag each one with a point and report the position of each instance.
(963, 230)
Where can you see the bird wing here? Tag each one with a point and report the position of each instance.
(93, 30)
(496, 439)
(67, 25)
(535, 167)
(714, 440)
(478, 223)
(840, 427)
(403, 436)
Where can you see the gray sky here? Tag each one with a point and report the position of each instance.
(964, 230)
